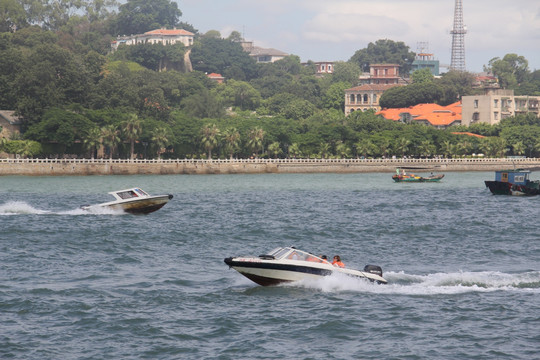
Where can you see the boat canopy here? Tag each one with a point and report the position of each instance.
(518, 177)
(129, 193)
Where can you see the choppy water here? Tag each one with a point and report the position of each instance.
(463, 268)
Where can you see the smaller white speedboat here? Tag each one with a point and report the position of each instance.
(286, 264)
(134, 201)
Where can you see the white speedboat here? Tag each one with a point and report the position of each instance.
(134, 200)
(285, 264)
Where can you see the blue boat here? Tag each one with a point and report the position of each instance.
(513, 182)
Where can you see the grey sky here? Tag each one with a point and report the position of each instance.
(332, 30)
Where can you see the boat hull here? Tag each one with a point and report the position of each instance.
(436, 178)
(136, 206)
(506, 188)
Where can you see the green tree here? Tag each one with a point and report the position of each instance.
(511, 70)
(364, 148)
(231, 139)
(518, 148)
(384, 51)
(274, 149)
(132, 130)
(401, 147)
(426, 148)
(324, 150)
(294, 150)
(342, 150)
(140, 16)
(346, 72)
(210, 138)
(12, 15)
(422, 76)
(239, 94)
(225, 57)
(256, 140)
(110, 138)
(160, 139)
(93, 140)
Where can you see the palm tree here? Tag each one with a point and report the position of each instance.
(93, 140)
(324, 149)
(342, 150)
(209, 138)
(364, 148)
(384, 145)
(159, 137)
(274, 149)
(110, 138)
(256, 140)
(132, 129)
(294, 150)
(426, 148)
(402, 146)
(231, 137)
(519, 148)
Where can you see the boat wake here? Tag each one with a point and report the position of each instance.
(23, 208)
(431, 284)
(18, 208)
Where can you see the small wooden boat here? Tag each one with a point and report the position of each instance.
(402, 176)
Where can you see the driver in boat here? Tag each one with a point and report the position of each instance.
(337, 262)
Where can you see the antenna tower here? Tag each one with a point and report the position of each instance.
(458, 39)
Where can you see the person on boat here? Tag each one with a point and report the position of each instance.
(324, 259)
(337, 262)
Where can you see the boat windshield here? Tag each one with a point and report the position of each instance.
(127, 194)
(294, 254)
(278, 253)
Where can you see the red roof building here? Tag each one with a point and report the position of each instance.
(429, 114)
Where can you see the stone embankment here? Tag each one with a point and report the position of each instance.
(58, 167)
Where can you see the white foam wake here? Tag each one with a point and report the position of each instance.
(23, 208)
(431, 284)
(19, 207)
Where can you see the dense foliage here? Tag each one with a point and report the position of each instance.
(77, 98)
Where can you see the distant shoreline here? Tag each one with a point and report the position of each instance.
(85, 167)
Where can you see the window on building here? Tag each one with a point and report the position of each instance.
(374, 98)
(496, 115)
(476, 116)
(365, 98)
(475, 104)
(351, 101)
(496, 103)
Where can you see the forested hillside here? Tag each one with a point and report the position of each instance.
(75, 96)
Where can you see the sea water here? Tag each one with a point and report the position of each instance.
(463, 269)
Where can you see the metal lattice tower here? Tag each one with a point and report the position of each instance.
(458, 39)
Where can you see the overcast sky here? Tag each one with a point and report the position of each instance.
(332, 30)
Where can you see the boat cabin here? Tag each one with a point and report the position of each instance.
(517, 177)
(129, 194)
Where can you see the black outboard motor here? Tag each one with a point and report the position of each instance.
(373, 269)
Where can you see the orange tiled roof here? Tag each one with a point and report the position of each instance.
(169, 32)
(469, 134)
(436, 115)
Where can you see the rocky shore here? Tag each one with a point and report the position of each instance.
(59, 167)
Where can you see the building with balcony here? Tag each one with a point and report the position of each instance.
(367, 95)
(495, 105)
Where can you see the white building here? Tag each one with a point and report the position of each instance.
(163, 36)
(495, 105)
